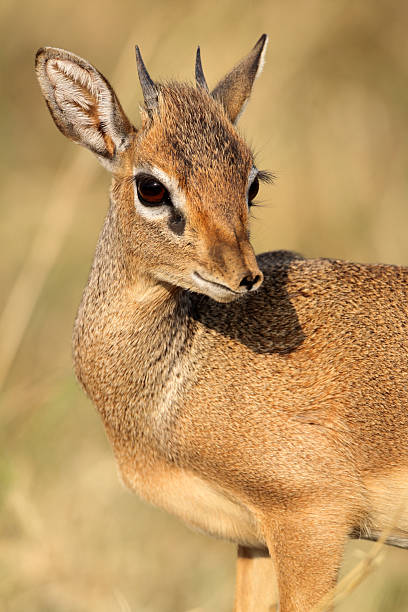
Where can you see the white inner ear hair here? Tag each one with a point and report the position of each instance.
(262, 59)
(83, 99)
(177, 196)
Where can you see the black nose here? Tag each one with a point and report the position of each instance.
(249, 281)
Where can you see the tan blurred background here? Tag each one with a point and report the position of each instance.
(329, 116)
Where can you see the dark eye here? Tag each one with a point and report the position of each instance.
(151, 192)
(253, 190)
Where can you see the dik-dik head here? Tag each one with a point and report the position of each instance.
(183, 183)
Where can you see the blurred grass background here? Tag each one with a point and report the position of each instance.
(329, 116)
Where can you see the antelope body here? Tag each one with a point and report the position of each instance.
(262, 400)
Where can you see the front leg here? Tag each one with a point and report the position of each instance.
(307, 551)
(256, 584)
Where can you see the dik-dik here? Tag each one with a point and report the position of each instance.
(263, 400)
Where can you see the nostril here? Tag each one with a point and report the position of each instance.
(249, 281)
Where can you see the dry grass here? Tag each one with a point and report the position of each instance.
(369, 562)
(329, 116)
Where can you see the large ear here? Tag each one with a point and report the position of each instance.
(83, 104)
(235, 88)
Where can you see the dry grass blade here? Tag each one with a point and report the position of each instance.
(76, 175)
(353, 578)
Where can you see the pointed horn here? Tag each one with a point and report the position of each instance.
(149, 89)
(199, 74)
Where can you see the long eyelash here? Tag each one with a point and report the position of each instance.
(252, 211)
(259, 204)
(266, 177)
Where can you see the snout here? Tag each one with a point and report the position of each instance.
(252, 280)
(245, 273)
(228, 272)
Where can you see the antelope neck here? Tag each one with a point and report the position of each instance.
(132, 355)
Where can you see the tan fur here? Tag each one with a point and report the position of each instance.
(388, 499)
(205, 506)
(277, 419)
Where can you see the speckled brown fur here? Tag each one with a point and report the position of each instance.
(278, 420)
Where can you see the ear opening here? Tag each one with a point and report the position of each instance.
(234, 89)
(83, 104)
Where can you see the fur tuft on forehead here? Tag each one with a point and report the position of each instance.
(190, 134)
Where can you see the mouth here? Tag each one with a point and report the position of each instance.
(214, 289)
